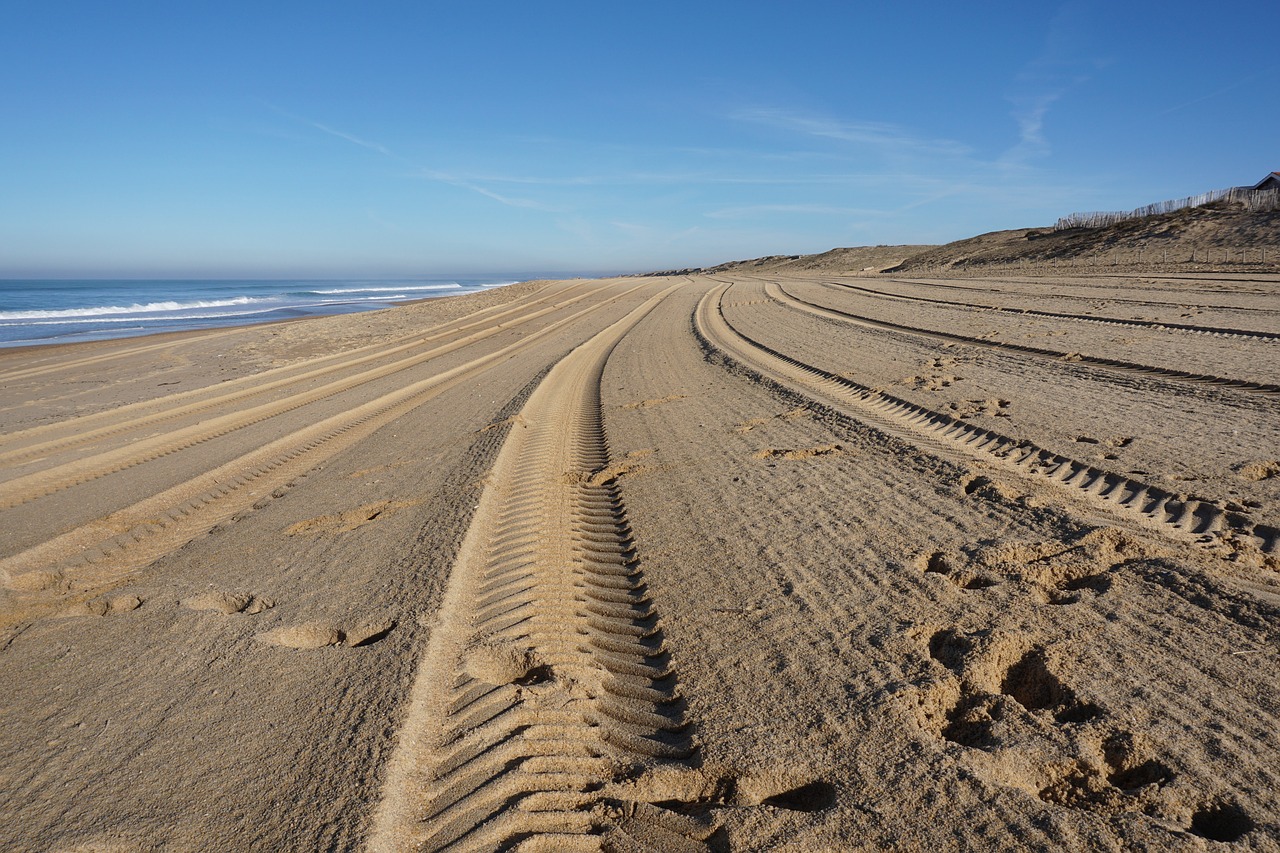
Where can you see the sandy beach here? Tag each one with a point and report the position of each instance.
(731, 562)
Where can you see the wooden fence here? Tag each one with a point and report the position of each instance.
(1251, 199)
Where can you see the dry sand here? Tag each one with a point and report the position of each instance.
(745, 561)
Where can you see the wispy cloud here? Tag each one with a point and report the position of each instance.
(917, 170)
(1219, 92)
(750, 210)
(649, 179)
(1062, 65)
(418, 171)
(467, 184)
(883, 136)
(1029, 113)
(364, 143)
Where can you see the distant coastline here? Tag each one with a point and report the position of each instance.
(42, 312)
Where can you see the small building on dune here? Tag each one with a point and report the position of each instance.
(1270, 182)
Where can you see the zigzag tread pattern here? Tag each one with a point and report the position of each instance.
(776, 291)
(548, 676)
(1150, 504)
(170, 518)
(1083, 318)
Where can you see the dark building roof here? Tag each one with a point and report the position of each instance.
(1270, 181)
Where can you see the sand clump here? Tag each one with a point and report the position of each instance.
(1255, 471)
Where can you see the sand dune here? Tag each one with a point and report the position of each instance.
(748, 560)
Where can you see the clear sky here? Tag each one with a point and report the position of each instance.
(282, 139)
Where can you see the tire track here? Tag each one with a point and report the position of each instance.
(1099, 297)
(94, 427)
(1153, 506)
(38, 484)
(40, 370)
(546, 678)
(780, 294)
(104, 550)
(74, 364)
(1084, 318)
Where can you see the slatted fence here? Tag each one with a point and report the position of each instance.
(1250, 199)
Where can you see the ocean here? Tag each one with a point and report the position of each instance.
(47, 311)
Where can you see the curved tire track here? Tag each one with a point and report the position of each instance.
(1177, 303)
(1154, 506)
(1084, 318)
(547, 676)
(98, 552)
(779, 293)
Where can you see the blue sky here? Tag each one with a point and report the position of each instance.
(388, 139)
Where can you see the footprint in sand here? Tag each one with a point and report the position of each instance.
(497, 663)
(788, 789)
(800, 452)
(1257, 471)
(792, 415)
(319, 634)
(644, 404)
(309, 635)
(349, 520)
(994, 408)
(748, 425)
(1056, 571)
(630, 466)
(37, 581)
(229, 602)
(103, 606)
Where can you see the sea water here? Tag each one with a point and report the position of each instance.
(45, 311)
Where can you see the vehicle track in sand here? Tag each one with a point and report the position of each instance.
(776, 291)
(292, 393)
(70, 434)
(1083, 318)
(1125, 496)
(59, 364)
(45, 437)
(95, 555)
(813, 568)
(101, 358)
(546, 679)
(1040, 283)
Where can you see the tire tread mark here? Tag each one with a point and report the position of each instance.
(590, 696)
(489, 313)
(172, 518)
(48, 481)
(785, 297)
(89, 428)
(1155, 507)
(1084, 318)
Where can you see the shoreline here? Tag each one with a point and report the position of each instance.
(177, 334)
(138, 328)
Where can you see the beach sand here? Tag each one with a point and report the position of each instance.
(735, 562)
